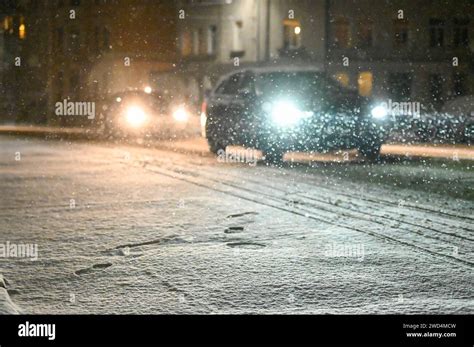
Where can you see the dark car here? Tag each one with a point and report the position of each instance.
(140, 113)
(278, 110)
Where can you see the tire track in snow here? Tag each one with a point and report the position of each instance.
(423, 208)
(201, 182)
(390, 218)
(261, 183)
(332, 191)
(351, 216)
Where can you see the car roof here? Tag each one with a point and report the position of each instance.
(283, 69)
(136, 93)
(275, 69)
(271, 69)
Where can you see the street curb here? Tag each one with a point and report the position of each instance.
(49, 132)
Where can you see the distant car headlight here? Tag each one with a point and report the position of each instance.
(379, 112)
(287, 114)
(148, 90)
(135, 116)
(181, 114)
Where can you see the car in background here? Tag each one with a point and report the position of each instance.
(291, 109)
(142, 114)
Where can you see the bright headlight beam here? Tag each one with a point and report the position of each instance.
(286, 114)
(180, 115)
(135, 116)
(379, 112)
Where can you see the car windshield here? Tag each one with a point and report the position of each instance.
(154, 101)
(283, 83)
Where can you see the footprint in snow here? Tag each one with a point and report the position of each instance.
(233, 230)
(3, 282)
(237, 215)
(95, 267)
(243, 244)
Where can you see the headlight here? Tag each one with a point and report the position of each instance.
(181, 114)
(379, 112)
(148, 90)
(286, 114)
(135, 116)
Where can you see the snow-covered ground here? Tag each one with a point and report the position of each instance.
(128, 229)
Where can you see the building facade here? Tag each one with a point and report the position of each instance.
(101, 47)
(418, 50)
(23, 62)
(84, 50)
(81, 50)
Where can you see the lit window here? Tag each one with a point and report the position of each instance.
(22, 32)
(5, 24)
(186, 46)
(365, 83)
(291, 34)
(8, 24)
(343, 79)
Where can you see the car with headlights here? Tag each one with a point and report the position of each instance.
(287, 109)
(142, 113)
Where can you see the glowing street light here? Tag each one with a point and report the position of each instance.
(22, 31)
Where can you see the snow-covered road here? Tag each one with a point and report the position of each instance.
(128, 229)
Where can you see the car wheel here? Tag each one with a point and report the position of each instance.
(215, 146)
(215, 140)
